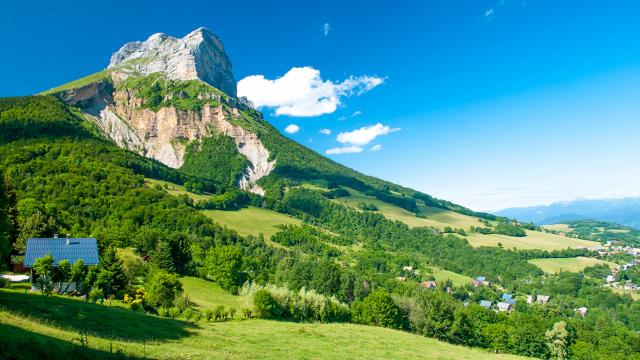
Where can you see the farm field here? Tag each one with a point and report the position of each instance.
(533, 240)
(633, 293)
(251, 220)
(576, 264)
(33, 325)
(558, 227)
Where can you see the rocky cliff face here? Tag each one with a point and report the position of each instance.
(198, 55)
(163, 133)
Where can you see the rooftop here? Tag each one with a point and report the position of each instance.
(61, 249)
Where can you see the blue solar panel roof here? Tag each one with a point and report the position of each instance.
(78, 248)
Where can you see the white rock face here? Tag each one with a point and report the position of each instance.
(199, 55)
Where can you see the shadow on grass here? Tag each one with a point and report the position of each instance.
(98, 320)
(17, 343)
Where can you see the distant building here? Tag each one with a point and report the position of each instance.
(503, 306)
(407, 268)
(428, 284)
(611, 278)
(486, 304)
(401, 278)
(582, 311)
(542, 299)
(530, 299)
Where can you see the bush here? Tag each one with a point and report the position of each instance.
(95, 295)
(218, 312)
(378, 309)
(266, 305)
(174, 312)
(232, 312)
(188, 314)
(277, 302)
(208, 314)
(162, 288)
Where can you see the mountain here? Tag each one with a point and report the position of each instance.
(624, 211)
(173, 100)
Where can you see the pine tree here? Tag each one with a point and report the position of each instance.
(111, 277)
(162, 257)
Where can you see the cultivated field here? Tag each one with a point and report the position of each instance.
(558, 227)
(576, 264)
(251, 220)
(442, 275)
(37, 327)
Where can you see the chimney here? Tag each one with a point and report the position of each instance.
(68, 242)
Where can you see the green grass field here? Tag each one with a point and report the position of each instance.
(251, 220)
(38, 327)
(576, 264)
(442, 275)
(558, 227)
(207, 295)
(78, 83)
(533, 240)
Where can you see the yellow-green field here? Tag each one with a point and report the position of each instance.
(533, 240)
(576, 264)
(558, 227)
(635, 295)
(442, 275)
(31, 325)
(251, 220)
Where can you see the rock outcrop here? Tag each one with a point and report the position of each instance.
(198, 55)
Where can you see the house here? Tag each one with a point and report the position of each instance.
(610, 279)
(428, 284)
(582, 311)
(401, 278)
(503, 306)
(530, 299)
(542, 299)
(407, 268)
(480, 280)
(71, 249)
(486, 304)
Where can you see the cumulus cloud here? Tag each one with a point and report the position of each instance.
(376, 147)
(326, 28)
(325, 131)
(292, 129)
(344, 150)
(302, 91)
(365, 134)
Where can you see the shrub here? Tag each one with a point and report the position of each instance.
(188, 314)
(266, 305)
(208, 314)
(174, 312)
(162, 288)
(247, 313)
(218, 312)
(96, 294)
(183, 303)
(232, 312)
(378, 309)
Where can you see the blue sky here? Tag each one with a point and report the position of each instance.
(489, 104)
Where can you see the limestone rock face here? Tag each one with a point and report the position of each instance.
(198, 55)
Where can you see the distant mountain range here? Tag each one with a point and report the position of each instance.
(624, 211)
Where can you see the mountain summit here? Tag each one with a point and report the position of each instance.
(198, 55)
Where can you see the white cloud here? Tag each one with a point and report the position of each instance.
(325, 131)
(342, 118)
(326, 28)
(302, 92)
(365, 134)
(376, 147)
(344, 150)
(488, 13)
(292, 129)
(356, 113)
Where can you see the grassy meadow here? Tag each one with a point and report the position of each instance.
(251, 220)
(576, 264)
(38, 327)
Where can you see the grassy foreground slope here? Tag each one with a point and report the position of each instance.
(34, 326)
(577, 264)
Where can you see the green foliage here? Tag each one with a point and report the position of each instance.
(215, 158)
(156, 92)
(43, 269)
(5, 240)
(223, 265)
(559, 341)
(378, 309)
(162, 288)
(437, 315)
(367, 206)
(110, 276)
(509, 230)
(266, 306)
